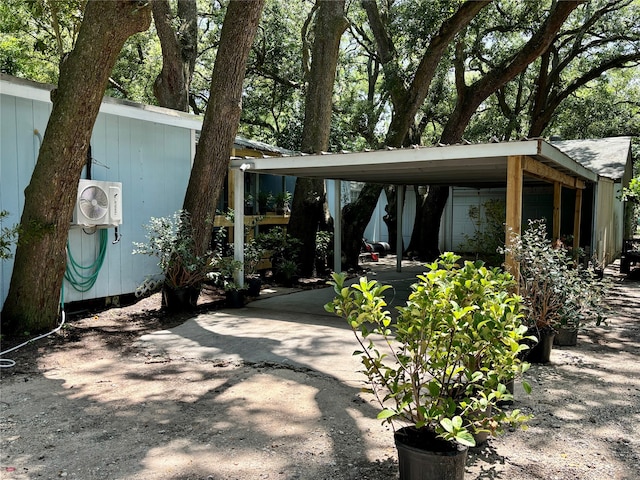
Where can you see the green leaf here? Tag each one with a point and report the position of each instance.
(447, 424)
(385, 414)
(465, 438)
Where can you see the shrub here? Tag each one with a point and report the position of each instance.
(489, 231)
(448, 353)
(170, 239)
(556, 291)
(8, 235)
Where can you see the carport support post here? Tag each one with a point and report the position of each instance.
(514, 208)
(577, 219)
(557, 199)
(337, 226)
(238, 223)
(399, 205)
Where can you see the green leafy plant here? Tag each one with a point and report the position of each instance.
(489, 230)
(279, 246)
(253, 253)
(556, 291)
(225, 275)
(265, 201)
(447, 355)
(323, 241)
(631, 195)
(632, 192)
(282, 200)
(287, 270)
(171, 240)
(8, 235)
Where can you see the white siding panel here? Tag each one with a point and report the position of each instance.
(460, 201)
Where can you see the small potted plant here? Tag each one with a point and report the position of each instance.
(287, 272)
(265, 202)
(171, 240)
(439, 367)
(584, 293)
(282, 201)
(253, 253)
(227, 271)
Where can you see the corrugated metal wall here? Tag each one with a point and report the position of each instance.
(152, 159)
(609, 221)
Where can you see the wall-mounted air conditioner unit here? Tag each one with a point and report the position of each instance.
(98, 204)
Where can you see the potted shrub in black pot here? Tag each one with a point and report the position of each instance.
(282, 202)
(558, 294)
(439, 367)
(171, 240)
(226, 278)
(585, 294)
(282, 250)
(253, 253)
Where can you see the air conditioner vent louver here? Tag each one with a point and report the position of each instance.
(93, 202)
(98, 204)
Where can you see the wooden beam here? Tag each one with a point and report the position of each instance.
(577, 219)
(253, 220)
(514, 207)
(539, 170)
(557, 204)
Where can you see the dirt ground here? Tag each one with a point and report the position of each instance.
(88, 403)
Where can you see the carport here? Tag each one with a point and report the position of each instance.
(514, 164)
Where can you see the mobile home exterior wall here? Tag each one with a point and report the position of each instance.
(148, 149)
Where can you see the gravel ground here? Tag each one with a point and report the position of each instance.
(89, 403)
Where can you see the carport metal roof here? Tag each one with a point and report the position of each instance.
(476, 165)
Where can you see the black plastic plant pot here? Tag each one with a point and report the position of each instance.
(180, 299)
(234, 298)
(253, 286)
(423, 456)
(541, 351)
(566, 337)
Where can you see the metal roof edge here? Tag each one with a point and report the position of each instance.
(552, 152)
(444, 152)
(28, 89)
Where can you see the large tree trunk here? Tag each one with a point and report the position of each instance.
(469, 99)
(424, 242)
(354, 215)
(221, 118)
(406, 100)
(34, 293)
(390, 218)
(309, 199)
(179, 52)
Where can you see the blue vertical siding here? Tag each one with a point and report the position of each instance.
(151, 160)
